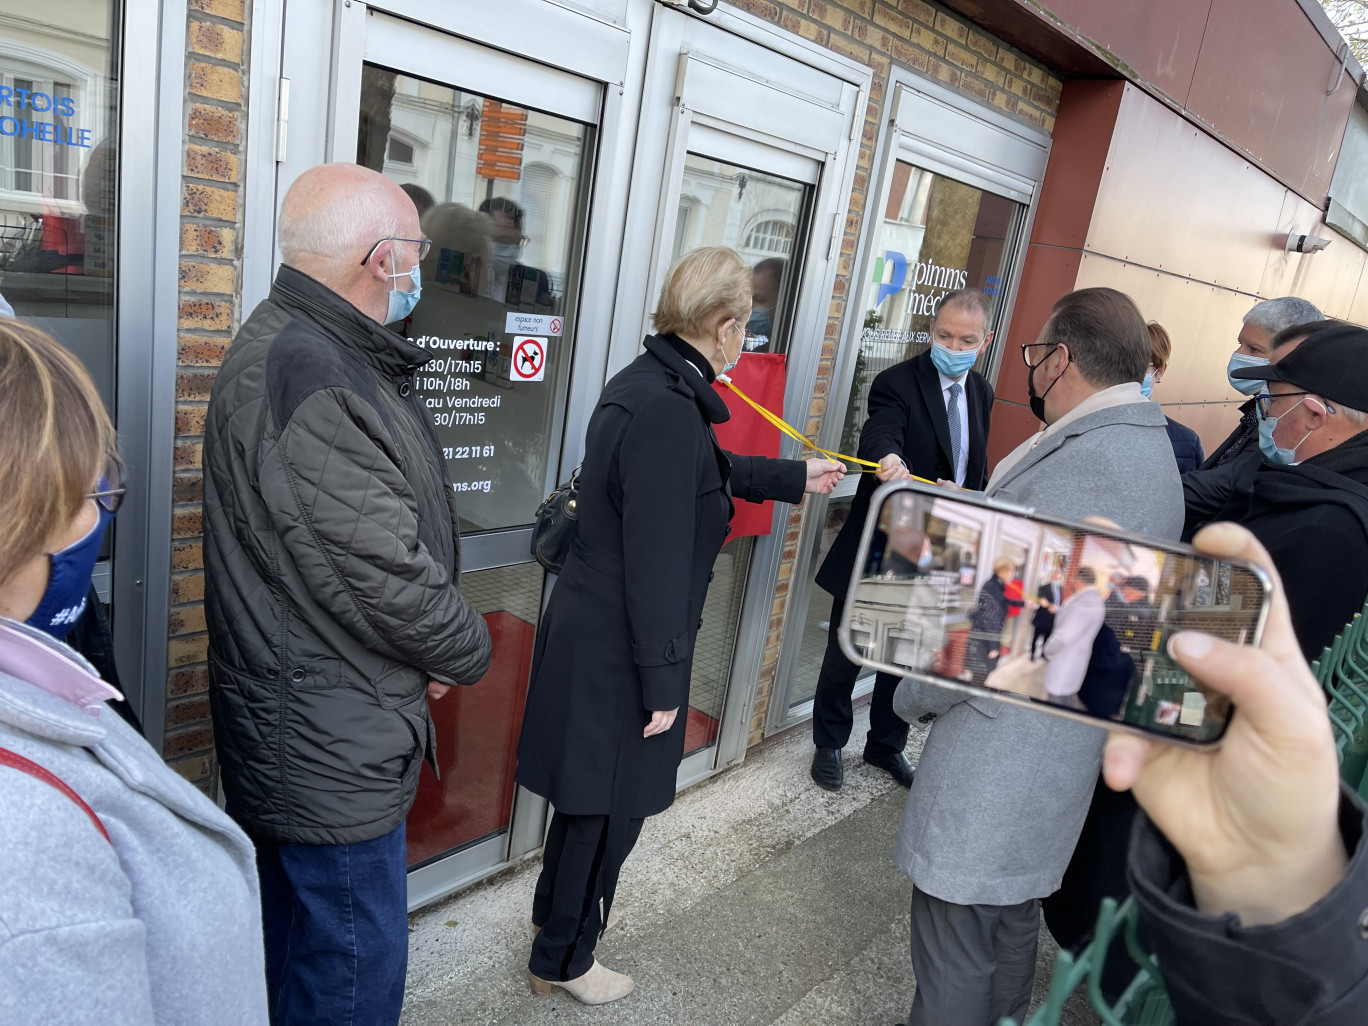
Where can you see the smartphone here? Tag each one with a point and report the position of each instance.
(1066, 617)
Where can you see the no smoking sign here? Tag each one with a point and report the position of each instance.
(529, 358)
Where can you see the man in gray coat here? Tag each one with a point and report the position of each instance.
(1001, 791)
(332, 570)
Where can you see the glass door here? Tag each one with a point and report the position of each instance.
(742, 145)
(954, 202)
(497, 155)
(764, 217)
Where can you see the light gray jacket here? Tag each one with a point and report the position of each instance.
(1001, 791)
(159, 924)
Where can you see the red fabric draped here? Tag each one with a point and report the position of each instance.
(760, 376)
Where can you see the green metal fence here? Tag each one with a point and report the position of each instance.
(1342, 671)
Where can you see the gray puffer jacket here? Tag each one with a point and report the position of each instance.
(332, 567)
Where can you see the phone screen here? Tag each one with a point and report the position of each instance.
(1067, 617)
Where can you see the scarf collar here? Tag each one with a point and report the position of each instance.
(672, 351)
(387, 351)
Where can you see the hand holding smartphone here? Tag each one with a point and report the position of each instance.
(932, 588)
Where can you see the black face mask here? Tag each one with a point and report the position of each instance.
(1038, 401)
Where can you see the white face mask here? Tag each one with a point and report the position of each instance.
(728, 363)
(505, 255)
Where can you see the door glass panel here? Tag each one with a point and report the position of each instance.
(502, 193)
(937, 235)
(477, 727)
(761, 216)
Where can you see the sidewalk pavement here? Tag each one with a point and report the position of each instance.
(757, 899)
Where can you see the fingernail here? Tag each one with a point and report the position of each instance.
(1190, 644)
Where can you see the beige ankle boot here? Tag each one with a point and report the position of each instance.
(598, 986)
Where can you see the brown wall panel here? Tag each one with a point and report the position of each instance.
(1078, 157)
(1159, 40)
(1260, 82)
(1012, 424)
(1175, 199)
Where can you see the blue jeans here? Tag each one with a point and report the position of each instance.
(335, 919)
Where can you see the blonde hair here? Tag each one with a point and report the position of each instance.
(56, 437)
(1003, 564)
(702, 289)
(1161, 346)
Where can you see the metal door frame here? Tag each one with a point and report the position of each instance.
(711, 50)
(935, 128)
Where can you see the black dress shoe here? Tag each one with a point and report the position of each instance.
(827, 770)
(896, 766)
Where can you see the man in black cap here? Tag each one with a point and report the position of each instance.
(1308, 502)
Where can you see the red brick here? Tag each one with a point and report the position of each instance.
(201, 350)
(193, 681)
(189, 620)
(215, 40)
(190, 419)
(186, 742)
(194, 385)
(212, 122)
(207, 240)
(194, 768)
(209, 201)
(187, 486)
(183, 651)
(187, 523)
(207, 162)
(206, 314)
(201, 277)
(214, 81)
(187, 588)
(187, 556)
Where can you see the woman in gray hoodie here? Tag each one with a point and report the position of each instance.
(128, 896)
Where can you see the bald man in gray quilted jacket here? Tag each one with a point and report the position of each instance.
(1001, 791)
(332, 588)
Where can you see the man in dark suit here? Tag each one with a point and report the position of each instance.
(1051, 594)
(928, 416)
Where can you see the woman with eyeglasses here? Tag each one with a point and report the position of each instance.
(121, 881)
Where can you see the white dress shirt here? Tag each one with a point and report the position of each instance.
(963, 463)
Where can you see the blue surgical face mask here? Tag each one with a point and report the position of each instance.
(69, 573)
(1271, 450)
(1147, 386)
(1239, 361)
(953, 363)
(401, 302)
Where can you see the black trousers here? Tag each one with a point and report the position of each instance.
(1038, 639)
(832, 715)
(566, 904)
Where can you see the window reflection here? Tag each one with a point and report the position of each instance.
(499, 190)
(937, 235)
(58, 174)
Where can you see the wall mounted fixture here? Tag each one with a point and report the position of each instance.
(1304, 243)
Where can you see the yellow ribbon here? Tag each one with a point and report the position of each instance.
(865, 466)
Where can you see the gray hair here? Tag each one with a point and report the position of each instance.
(355, 221)
(1273, 315)
(970, 299)
(1356, 417)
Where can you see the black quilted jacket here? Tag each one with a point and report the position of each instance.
(332, 564)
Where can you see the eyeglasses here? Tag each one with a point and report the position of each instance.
(1026, 356)
(1264, 400)
(423, 246)
(110, 488)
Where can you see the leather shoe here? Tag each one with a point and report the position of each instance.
(896, 766)
(827, 770)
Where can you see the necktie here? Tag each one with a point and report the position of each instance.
(952, 412)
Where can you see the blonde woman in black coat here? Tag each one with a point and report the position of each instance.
(602, 737)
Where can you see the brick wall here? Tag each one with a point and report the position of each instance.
(883, 34)
(210, 284)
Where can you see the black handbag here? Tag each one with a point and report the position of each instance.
(557, 522)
